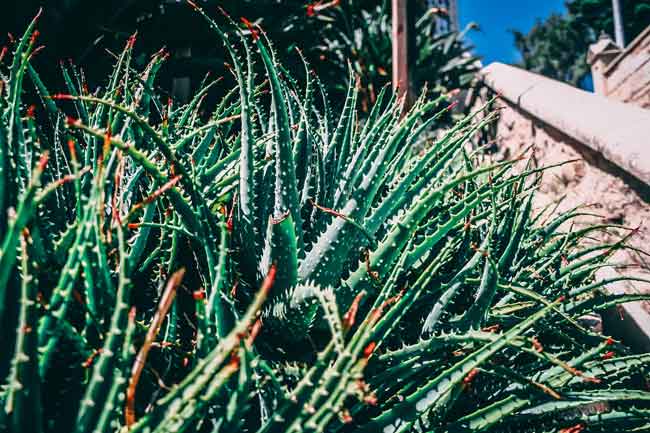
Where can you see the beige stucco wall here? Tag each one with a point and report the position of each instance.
(608, 197)
(559, 123)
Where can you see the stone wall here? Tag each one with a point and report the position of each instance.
(559, 123)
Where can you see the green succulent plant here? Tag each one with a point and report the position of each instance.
(271, 266)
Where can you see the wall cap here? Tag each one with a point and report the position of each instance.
(618, 132)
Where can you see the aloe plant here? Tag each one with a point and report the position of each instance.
(274, 266)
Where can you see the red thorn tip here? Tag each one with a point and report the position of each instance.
(251, 28)
(89, 361)
(70, 121)
(194, 5)
(574, 429)
(561, 298)
(234, 360)
(131, 42)
(38, 50)
(451, 106)
(369, 349)
(198, 295)
(30, 111)
(470, 376)
(350, 316)
(42, 162)
(223, 12)
(254, 332)
(609, 341)
(34, 36)
(62, 96)
(72, 149)
(310, 10)
(162, 54)
(270, 279)
(133, 225)
(370, 399)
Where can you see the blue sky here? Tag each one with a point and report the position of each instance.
(494, 42)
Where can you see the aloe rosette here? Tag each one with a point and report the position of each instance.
(265, 264)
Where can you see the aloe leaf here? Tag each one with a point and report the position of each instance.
(104, 368)
(286, 193)
(24, 214)
(430, 393)
(281, 250)
(247, 188)
(23, 400)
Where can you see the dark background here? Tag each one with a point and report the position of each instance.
(85, 31)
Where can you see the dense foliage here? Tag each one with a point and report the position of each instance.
(557, 47)
(361, 36)
(275, 266)
(329, 33)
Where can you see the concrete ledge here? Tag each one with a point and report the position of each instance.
(620, 133)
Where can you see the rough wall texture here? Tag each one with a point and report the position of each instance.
(606, 196)
(609, 141)
(627, 77)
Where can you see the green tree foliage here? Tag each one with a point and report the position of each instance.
(557, 47)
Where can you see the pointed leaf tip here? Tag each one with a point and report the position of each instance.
(251, 28)
(269, 279)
